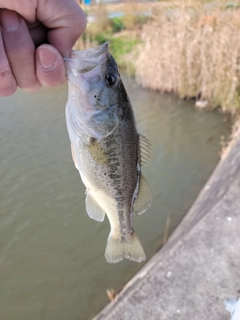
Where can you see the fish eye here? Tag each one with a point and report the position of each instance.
(110, 80)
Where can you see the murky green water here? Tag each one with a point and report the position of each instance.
(52, 264)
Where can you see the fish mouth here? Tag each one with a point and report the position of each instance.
(86, 60)
(92, 53)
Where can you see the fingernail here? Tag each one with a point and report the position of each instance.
(47, 58)
(10, 20)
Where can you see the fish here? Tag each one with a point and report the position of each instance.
(107, 149)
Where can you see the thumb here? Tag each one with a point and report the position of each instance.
(50, 68)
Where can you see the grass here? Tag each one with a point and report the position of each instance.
(189, 47)
(193, 49)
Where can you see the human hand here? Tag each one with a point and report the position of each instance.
(53, 26)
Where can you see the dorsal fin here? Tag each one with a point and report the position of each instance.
(144, 197)
(145, 149)
(93, 209)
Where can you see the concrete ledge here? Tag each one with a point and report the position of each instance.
(199, 267)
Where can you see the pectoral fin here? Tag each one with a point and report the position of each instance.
(144, 198)
(94, 211)
(104, 122)
(145, 149)
(97, 152)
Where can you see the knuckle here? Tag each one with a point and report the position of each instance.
(81, 24)
(8, 91)
(7, 82)
(5, 73)
(18, 45)
(22, 53)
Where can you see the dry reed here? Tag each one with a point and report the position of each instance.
(194, 51)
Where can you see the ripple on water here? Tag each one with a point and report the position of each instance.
(51, 254)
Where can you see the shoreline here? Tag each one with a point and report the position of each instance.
(196, 270)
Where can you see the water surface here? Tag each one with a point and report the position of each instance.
(52, 264)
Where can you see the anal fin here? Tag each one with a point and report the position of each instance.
(93, 209)
(144, 197)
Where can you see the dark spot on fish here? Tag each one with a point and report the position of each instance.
(120, 205)
(92, 140)
(95, 96)
(105, 173)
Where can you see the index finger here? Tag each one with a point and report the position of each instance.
(65, 19)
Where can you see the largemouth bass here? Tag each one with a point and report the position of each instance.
(107, 149)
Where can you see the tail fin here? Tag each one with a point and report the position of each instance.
(131, 249)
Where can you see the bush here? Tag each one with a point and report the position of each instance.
(117, 25)
(121, 46)
(101, 38)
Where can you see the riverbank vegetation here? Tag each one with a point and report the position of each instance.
(191, 48)
(194, 51)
